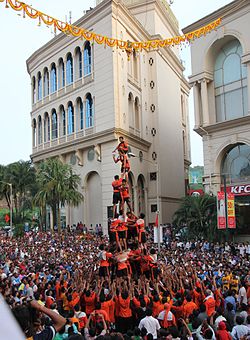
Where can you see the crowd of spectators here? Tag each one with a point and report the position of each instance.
(193, 290)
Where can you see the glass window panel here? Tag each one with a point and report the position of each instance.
(219, 60)
(218, 78)
(219, 103)
(244, 71)
(233, 104)
(232, 68)
(231, 47)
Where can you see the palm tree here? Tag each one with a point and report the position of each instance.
(58, 185)
(21, 175)
(198, 214)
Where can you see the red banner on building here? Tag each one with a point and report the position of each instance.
(231, 211)
(221, 212)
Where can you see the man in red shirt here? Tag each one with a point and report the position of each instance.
(104, 257)
(116, 184)
(125, 195)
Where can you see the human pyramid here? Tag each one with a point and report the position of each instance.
(128, 253)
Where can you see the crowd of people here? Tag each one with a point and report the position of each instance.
(189, 290)
(78, 285)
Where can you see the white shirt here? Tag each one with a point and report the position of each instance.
(239, 331)
(151, 324)
(242, 295)
(161, 316)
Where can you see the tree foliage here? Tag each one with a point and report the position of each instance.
(198, 215)
(57, 186)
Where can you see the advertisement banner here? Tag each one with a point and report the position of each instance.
(221, 212)
(231, 211)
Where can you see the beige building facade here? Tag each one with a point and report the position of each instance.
(85, 96)
(221, 84)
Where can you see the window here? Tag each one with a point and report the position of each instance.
(39, 130)
(46, 82)
(39, 86)
(236, 163)
(135, 64)
(87, 59)
(153, 208)
(33, 90)
(153, 176)
(61, 76)
(89, 111)
(34, 132)
(54, 124)
(46, 127)
(53, 79)
(78, 59)
(69, 69)
(137, 114)
(80, 113)
(62, 121)
(230, 82)
(70, 118)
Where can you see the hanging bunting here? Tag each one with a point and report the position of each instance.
(128, 46)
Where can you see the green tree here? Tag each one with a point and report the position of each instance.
(198, 215)
(58, 185)
(21, 175)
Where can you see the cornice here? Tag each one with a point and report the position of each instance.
(88, 141)
(205, 75)
(222, 126)
(63, 40)
(222, 12)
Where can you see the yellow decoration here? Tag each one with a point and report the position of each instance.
(128, 46)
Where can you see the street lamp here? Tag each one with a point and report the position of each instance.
(157, 196)
(11, 205)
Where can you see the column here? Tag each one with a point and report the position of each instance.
(204, 101)
(196, 104)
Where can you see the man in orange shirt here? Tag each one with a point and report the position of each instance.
(90, 299)
(125, 195)
(104, 257)
(116, 184)
(189, 307)
(209, 303)
(125, 312)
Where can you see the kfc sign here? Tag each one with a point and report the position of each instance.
(239, 190)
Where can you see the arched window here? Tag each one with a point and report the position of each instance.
(53, 79)
(40, 130)
(141, 194)
(54, 124)
(78, 63)
(87, 59)
(89, 111)
(62, 121)
(33, 90)
(131, 109)
(80, 114)
(135, 64)
(69, 69)
(137, 114)
(46, 127)
(61, 74)
(230, 82)
(46, 82)
(70, 118)
(236, 163)
(39, 86)
(34, 132)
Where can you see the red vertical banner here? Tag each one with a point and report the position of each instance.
(231, 211)
(221, 210)
(156, 221)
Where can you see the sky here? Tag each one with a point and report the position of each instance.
(20, 37)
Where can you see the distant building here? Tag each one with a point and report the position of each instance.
(196, 174)
(221, 84)
(85, 96)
